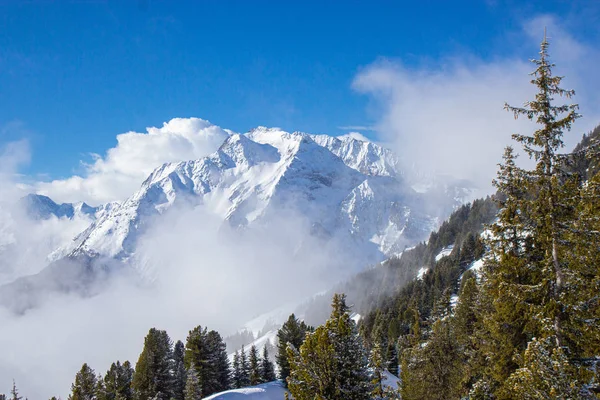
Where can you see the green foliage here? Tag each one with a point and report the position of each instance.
(206, 350)
(332, 362)
(116, 383)
(152, 378)
(267, 369)
(193, 388)
(253, 360)
(84, 387)
(292, 332)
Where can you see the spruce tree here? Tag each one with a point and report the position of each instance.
(376, 363)
(193, 389)
(84, 387)
(244, 379)
(253, 361)
(116, 383)
(267, 369)
(237, 371)
(332, 363)
(153, 378)
(14, 393)
(179, 372)
(206, 350)
(292, 332)
(549, 206)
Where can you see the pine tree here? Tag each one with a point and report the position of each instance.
(545, 373)
(14, 393)
(253, 360)
(153, 378)
(206, 350)
(193, 389)
(179, 371)
(237, 371)
(267, 369)
(332, 363)
(84, 387)
(292, 332)
(244, 379)
(548, 206)
(116, 383)
(376, 363)
(220, 362)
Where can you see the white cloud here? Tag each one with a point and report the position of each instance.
(124, 167)
(450, 118)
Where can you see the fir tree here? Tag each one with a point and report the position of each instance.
(292, 332)
(244, 379)
(116, 383)
(376, 363)
(14, 393)
(179, 371)
(84, 387)
(193, 389)
(153, 378)
(206, 350)
(548, 206)
(237, 371)
(332, 363)
(267, 369)
(545, 373)
(253, 361)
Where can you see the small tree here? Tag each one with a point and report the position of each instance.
(267, 369)
(254, 375)
(84, 387)
(193, 389)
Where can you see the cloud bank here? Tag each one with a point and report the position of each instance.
(449, 118)
(124, 167)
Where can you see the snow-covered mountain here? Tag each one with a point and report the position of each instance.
(345, 188)
(38, 206)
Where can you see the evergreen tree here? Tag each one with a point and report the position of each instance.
(244, 379)
(153, 378)
(292, 332)
(549, 206)
(84, 387)
(391, 358)
(545, 373)
(332, 362)
(179, 372)
(237, 371)
(220, 361)
(206, 350)
(267, 369)
(193, 389)
(253, 360)
(14, 393)
(116, 383)
(432, 371)
(376, 363)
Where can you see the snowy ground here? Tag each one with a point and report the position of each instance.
(275, 391)
(266, 391)
(444, 253)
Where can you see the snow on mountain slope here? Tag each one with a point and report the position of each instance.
(347, 190)
(33, 227)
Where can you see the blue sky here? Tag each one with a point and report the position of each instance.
(75, 74)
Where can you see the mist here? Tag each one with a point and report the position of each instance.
(448, 118)
(192, 269)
